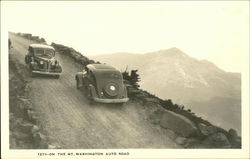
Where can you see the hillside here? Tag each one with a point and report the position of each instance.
(198, 84)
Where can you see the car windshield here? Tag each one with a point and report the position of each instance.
(110, 75)
(47, 53)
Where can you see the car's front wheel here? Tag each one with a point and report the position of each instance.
(31, 71)
(57, 76)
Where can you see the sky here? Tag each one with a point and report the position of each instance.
(215, 31)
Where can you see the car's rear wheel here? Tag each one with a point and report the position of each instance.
(120, 104)
(77, 84)
(57, 76)
(25, 59)
(32, 74)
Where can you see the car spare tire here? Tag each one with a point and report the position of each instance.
(111, 89)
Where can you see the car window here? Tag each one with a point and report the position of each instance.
(47, 53)
(113, 75)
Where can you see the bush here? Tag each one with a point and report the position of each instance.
(133, 78)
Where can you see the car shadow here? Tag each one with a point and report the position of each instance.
(113, 106)
(44, 76)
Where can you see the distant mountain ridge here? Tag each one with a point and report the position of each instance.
(172, 74)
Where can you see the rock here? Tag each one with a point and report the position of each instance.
(156, 116)
(53, 146)
(27, 88)
(178, 123)
(233, 133)
(15, 122)
(181, 140)
(25, 103)
(151, 100)
(32, 116)
(234, 139)
(11, 117)
(217, 140)
(21, 135)
(13, 144)
(192, 143)
(171, 134)
(25, 127)
(83, 61)
(77, 57)
(206, 130)
(39, 140)
(35, 129)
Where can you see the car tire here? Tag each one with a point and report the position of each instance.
(57, 76)
(120, 104)
(77, 84)
(26, 59)
(91, 102)
(32, 74)
(30, 71)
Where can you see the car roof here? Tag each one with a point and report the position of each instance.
(101, 67)
(41, 46)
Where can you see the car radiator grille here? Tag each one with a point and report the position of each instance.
(45, 65)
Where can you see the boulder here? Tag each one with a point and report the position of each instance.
(33, 116)
(35, 129)
(54, 146)
(217, 140)
(192, 143)
(178, 123)
(155, 116)
(25, 127)
(20, 135)
(181, 140)
(150, 100)
(39, 140)
(232, 133)
(25, 103)
(13, 144)
(76, 57)
(84, 60)
(234, 139)
(206, 130)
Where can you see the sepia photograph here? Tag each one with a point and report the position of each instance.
(124, 79)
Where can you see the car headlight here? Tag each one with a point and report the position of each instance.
(101, 93)
(112, 88)
(41, 62)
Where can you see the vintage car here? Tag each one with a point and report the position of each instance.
(41, 60)
(102, 83)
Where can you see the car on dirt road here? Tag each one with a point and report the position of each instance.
(41, 60)
(102, 83)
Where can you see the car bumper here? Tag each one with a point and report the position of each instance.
(123, 100)
(46, 73)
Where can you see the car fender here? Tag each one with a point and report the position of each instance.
(79, 76)
(92, 91)
(26, 59)
(125, 90)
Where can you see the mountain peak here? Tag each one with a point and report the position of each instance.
(171, 52)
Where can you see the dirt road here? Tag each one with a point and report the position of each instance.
(68, 120)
